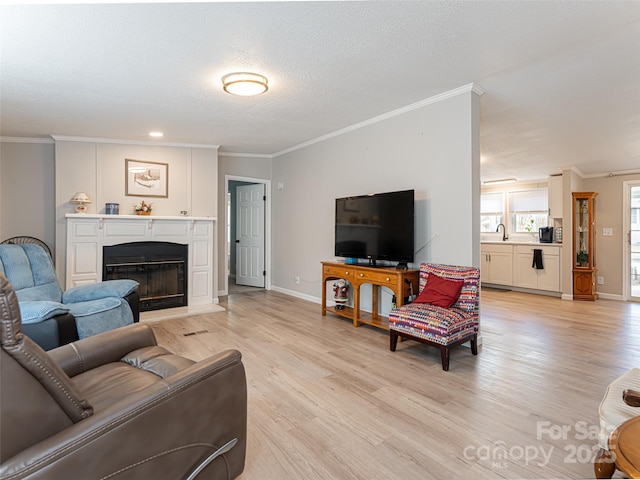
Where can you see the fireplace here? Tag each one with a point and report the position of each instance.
(159, 267)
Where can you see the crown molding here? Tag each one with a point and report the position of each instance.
(470, 87)
(250, 155)
(155, 143)
(26, 140)
(612, 174)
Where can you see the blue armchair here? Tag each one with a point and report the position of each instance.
(51, 317)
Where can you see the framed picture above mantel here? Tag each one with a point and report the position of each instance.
(146, 179)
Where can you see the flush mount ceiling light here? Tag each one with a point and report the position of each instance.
(156, 134)
(245, 84)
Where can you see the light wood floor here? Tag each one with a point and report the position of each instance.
(330, 401)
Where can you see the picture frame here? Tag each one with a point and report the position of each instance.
(146, 179)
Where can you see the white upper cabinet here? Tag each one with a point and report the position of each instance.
(555, 196)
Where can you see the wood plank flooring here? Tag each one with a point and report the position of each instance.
(330, 401)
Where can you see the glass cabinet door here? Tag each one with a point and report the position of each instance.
(584, 246)
(582, 233)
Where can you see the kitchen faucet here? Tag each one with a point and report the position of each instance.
(504, 231)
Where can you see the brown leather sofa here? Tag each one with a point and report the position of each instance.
(117, 406)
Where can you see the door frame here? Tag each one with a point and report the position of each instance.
(267, 227)
(626, 228)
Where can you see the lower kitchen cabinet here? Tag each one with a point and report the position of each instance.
(496, 264)
(527, 276)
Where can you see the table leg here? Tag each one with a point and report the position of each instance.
(356, 305)
(324, 296)
(374, 301)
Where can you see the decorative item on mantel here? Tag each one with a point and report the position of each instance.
(112, 208)
(80, 199)
(143, 208)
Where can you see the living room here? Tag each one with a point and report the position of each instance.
(432, 145)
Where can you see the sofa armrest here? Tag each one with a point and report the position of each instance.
(631, 397)
(162, 431)
(107, 347)
(96, 291)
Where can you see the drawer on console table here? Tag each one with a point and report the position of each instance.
(378, 278)
(338, 271)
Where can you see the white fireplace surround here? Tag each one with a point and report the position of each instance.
(88, 233)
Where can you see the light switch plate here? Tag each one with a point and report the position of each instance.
(607, 232)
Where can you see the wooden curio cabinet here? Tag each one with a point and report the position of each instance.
(584, 247)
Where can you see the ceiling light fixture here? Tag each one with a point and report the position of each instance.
(156, 134)
(498, 182)
(245, 84)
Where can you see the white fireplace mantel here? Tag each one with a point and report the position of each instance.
(88, 233)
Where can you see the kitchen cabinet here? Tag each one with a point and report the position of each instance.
(526, 276)
(496, 264)
(555, 196)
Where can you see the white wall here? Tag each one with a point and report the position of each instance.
(98, 169)
(433, 149)
(27, 190)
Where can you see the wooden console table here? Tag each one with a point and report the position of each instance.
(357, 275)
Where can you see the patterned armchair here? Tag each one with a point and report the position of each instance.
(443, 315)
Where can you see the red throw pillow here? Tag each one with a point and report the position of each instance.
(439, 291)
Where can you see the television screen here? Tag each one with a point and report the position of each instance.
(376, 227)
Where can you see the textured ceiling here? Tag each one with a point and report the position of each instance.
(561, 79)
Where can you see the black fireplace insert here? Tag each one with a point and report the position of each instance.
(159, 267)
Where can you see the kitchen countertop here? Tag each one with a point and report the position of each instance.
(516, 242)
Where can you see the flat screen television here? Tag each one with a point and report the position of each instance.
(376, 227)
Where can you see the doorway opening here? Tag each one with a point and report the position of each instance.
(632, 240)
(247, 233)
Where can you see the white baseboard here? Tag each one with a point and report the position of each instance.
(604, 296)
(293, 293)
(610, 296)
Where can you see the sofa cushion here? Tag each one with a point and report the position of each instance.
(34, 312)
(440, 291)
(433, 323)
(26, 266)
(48, 291)
(95, 291)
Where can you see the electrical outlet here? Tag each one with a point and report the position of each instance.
(297, 279)
(600, 280)
(607, 232)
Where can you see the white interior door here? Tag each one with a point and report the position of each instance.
(250, 201)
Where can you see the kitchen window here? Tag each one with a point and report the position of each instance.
(491, 211)
(528, 210)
